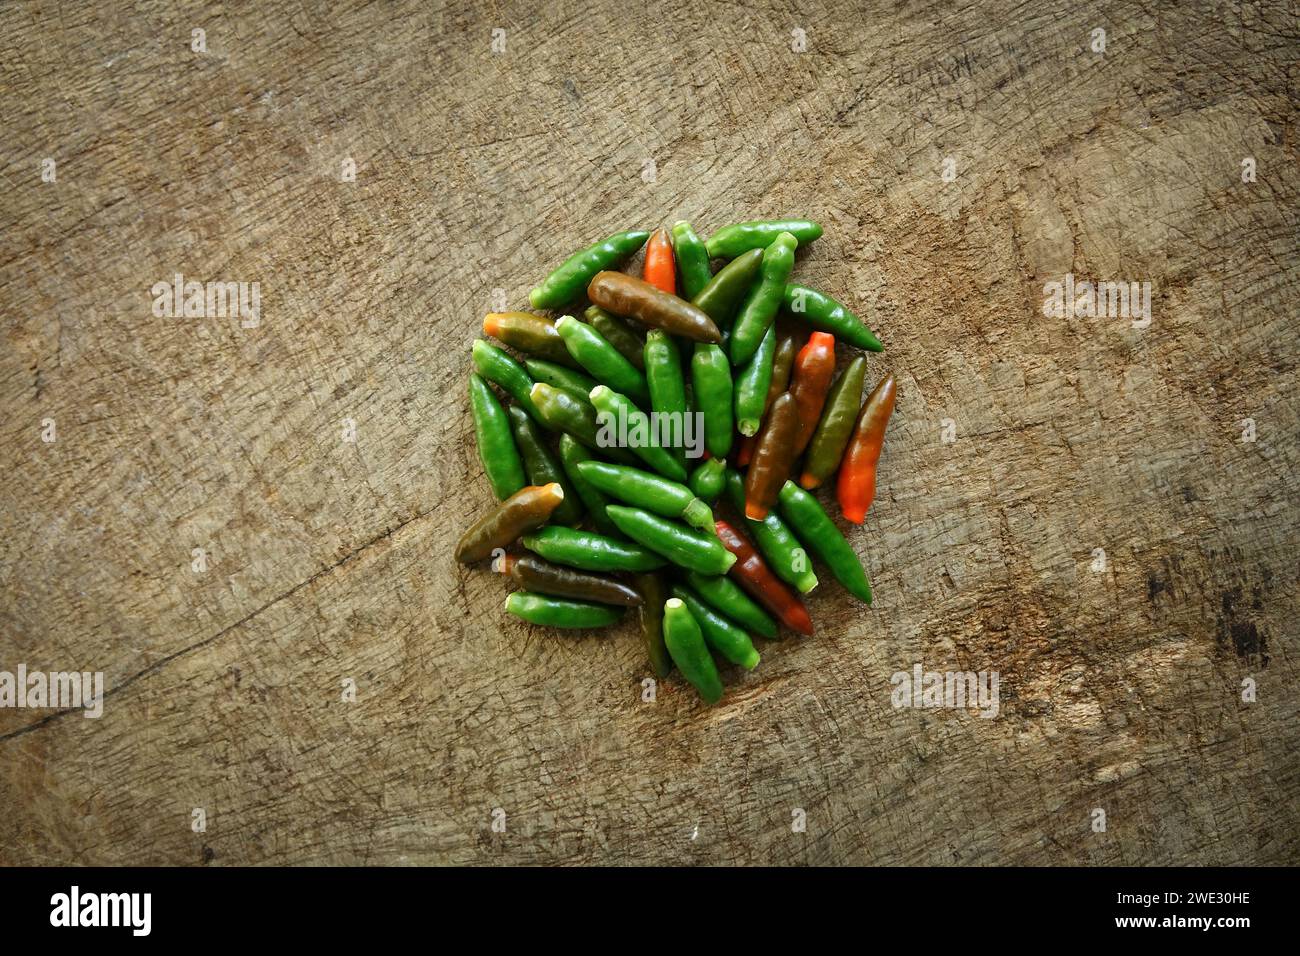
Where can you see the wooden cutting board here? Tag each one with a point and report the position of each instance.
(322, 457)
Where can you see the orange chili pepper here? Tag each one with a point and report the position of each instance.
(814, 368)
(660, 269)
(857, 482)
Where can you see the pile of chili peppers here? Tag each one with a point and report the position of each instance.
(749, 351)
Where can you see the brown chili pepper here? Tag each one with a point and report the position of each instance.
(526, 509)
(773, 458)
(856, 487)
(542, 577)
(627, 295)
(813, 370)
(763, 586)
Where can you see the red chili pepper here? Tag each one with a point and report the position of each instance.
(763, 586)
(814, 368)
(857, 482)
(660, 269)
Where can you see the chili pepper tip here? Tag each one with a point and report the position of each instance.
(808, 481)
(755, 512)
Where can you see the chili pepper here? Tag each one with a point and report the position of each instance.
(496, 441)
(856, 487)
(786, 347)
(590, 551)
(730, 241)
(602, 360)
(567, 282)
(660, 270)
(562, 412)
(762, 585)
(526, 509)
(758, 311)
(572, 453)
(529, 333)
(726, 596)
(780, 547)
(719, 633)
(617, 334)
(616, 414)
(627, 295)
(686, 646)
(663, 374)
(541, 466)
(706, 481)
(554, 612)
(711, 386)
(496, 366)
(679, 544)
(557, 376)
(752, 384)
(820, 311)
(692, 260)
(773, 457)
(816, 530)
(722, 296)
(813, 370)
(542, 577)
(836, 425)
(651, 492)
(654, 591)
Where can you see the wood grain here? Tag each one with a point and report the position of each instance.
(476, 171)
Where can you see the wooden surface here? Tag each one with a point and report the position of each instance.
(1121, 690)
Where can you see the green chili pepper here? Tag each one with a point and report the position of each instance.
(816, 530)
(689, 652)
(557, 376)
(572, 454)
(711, 384)
(719, 633)
(720, 299)
(836, 425)
(730, 241)
(759, 308)
(496, 366)
(654, 591)
(706, 481)
(617, 334)
(619, 417)
(590, 551)
(826, 315)
(568, 281)
(784, 554)
(562, 412)
(526, 509)
(601, 359)
(496, 441)
(651, 492)
(556, 612)
(679, 544)
(692, 260)
(529, 333)
(727, 596)
(663, 373)
(541, 466)
(542, 577)
(752, 385)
